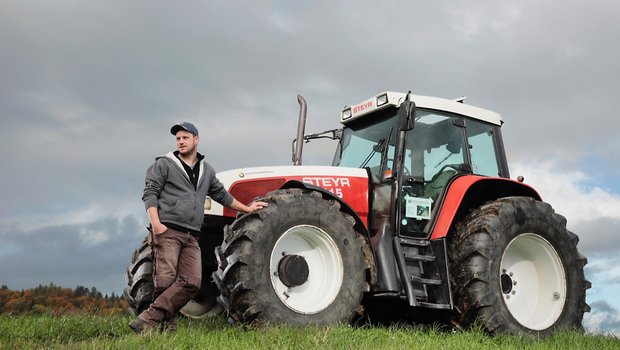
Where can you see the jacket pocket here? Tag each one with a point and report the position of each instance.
(183, 209)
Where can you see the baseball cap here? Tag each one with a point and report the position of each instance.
(184, 126)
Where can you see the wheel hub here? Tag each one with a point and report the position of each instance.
(293, 270)
(506, 281)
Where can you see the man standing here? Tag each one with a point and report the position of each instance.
(176, 186)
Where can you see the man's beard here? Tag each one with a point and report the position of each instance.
(188, 150)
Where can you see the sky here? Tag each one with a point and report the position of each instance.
(90, 89)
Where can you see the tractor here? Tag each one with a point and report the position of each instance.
(416, 217)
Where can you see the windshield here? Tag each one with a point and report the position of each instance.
(364, 141)
(437, 143)
(434, 142)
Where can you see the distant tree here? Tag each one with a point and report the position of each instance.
(80, 291)
(56, 300)
(94, 293)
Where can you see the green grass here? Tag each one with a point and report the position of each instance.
(112, 332)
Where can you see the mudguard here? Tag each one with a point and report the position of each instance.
(471, 191)
(360, 223)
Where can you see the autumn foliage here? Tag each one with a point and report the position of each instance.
(59, 301)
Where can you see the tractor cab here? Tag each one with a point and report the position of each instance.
(414, 146)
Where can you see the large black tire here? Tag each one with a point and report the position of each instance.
(297, 262)
(515, 269)
(139, 278)
(140, 287)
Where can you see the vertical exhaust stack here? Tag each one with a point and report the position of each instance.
(301, 128)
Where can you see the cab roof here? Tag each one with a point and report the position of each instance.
(394, 99)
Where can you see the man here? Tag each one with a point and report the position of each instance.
(176, 186)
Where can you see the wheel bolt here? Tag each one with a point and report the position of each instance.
(556, 295)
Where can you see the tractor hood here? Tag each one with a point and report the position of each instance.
(245, 184)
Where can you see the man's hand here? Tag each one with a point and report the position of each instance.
(257, 205)
(159, 228)
(238, 206)
(156, 226)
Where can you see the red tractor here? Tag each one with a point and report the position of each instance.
(416, 217)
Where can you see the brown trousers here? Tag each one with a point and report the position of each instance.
(177, 273)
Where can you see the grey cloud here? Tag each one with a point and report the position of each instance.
(91, 254)
(599, 237)
(603, 318)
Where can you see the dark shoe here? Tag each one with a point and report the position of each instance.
(140, 326)
(169, 326)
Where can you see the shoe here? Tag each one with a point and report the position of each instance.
(169, 326)
(141, 327)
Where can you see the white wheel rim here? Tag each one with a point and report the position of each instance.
(324, 264)
(532, 281)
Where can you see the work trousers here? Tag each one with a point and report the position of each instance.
(177, 272)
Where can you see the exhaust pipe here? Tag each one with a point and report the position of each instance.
(301, 129)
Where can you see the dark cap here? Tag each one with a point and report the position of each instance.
(184, 126)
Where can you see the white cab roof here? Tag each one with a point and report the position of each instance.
(391, 98)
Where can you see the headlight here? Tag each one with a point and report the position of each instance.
(346, 114)
(381, 100)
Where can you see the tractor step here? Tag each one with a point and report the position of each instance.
(423, 262)
(435, 306)
(417, 257)
(413, 242)
(421, 280)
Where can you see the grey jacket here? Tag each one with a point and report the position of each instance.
(169, 189)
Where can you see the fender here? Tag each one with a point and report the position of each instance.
(470, 191)
(249, 183)
(360, 223)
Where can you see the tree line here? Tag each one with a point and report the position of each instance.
(58, 301)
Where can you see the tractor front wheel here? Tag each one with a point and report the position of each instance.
(297, 262)
(516, 269)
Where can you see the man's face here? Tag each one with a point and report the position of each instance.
(186, 142)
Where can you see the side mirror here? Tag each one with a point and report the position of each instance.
(406, 115)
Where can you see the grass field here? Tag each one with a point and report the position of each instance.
(99, 332)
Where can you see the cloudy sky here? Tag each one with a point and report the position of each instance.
(89, 90)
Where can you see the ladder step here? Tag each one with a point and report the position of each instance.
(416, 257)
(428, 258)
(435, 306)
(414, 242)
(426, 280)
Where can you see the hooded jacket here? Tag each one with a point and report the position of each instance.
(170, 190)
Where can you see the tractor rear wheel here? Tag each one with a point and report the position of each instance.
(139, 278)
(140, 288)
(516, 269)
(298, 262)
